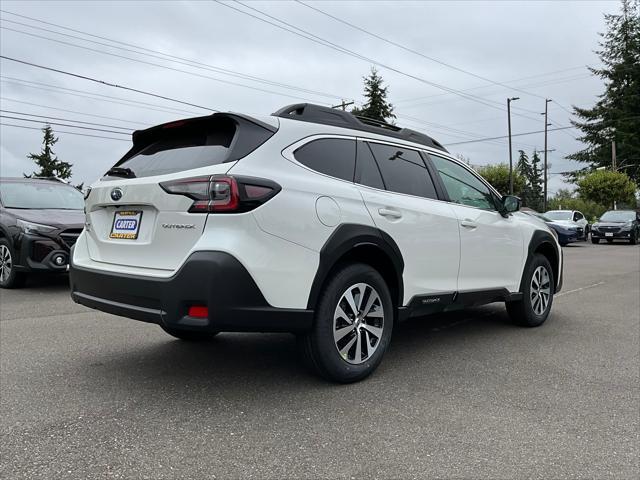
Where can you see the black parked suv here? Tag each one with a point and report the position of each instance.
(40, 219)
(617, 225)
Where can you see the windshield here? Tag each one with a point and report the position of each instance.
(40, 195)
(559, 215)
(618, 216)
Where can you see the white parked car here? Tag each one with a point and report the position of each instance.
(310, 221)
(572, 220)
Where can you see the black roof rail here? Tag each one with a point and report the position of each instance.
(309, 112)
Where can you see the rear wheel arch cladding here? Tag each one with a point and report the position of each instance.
(365, 244)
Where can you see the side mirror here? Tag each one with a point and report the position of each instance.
(510, 204)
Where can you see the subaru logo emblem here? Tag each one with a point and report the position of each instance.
(116, 194)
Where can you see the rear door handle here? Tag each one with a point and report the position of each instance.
(466, 223)
(390, 212)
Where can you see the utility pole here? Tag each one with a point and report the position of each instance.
(613, 156)
(343, 105)
(546, 125)
(509, 100)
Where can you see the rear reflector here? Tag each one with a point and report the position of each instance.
(198, 311)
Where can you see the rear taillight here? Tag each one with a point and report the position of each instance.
(223, 193)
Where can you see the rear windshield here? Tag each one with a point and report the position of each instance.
(40, 195)
(192, 144)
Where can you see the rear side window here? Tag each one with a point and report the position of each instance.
(403, 170)
(332, 156)
(192, 144)
(367, 171)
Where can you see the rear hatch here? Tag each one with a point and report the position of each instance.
(134, 221)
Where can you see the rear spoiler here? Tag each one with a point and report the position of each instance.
(243, 143)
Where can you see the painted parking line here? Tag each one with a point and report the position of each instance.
(580, 289)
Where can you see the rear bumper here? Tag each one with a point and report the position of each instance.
(215, 279)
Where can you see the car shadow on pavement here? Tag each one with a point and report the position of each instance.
(235, 362)
(47, 283)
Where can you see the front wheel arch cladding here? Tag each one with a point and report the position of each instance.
(349, 238)
(544, 243)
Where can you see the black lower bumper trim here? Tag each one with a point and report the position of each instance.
(213, 279)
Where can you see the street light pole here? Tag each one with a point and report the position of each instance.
(509, 100)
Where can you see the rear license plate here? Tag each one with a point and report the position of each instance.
(126, 224)
(608, 234)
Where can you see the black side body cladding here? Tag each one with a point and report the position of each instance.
(215, 279)
(348, 238)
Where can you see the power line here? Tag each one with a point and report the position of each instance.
(482, 87)
(334, 46)
(111, 99)
(129, 130)
(63, 131)
(161, 55)
(103, 82)
(70, 111)
(63, 125)
(415, 52)
(506, 136)
(149, 63)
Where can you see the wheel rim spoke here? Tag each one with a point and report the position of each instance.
(344, 351)
(342, 332)
(340, 313)
(375, 331)
(348, 296)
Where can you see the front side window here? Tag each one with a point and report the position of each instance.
(335, 157)
(462, 186)
(403, 170)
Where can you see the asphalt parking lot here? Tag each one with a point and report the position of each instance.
(464, 395)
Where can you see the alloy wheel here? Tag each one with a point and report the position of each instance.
(540, 291)
(6, 263)
(358, 323)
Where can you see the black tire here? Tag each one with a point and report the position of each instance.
(9, 277)
(319, 347)
(634, 238)
(189, 335)
(523, 312)
(595, 240)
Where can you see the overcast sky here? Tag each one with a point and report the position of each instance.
(539, 48)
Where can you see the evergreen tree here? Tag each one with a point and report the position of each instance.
(46, 160)
(536, 183)
(523, 167)
(532, 191)
(376, 107)
(615, 116)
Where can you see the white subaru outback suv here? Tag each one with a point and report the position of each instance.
(311, 221)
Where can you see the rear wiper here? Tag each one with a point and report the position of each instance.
(121, 172)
